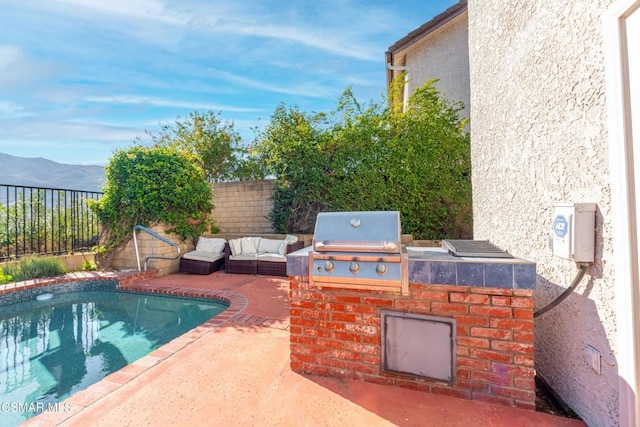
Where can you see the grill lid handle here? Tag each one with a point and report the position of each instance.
(357, 247)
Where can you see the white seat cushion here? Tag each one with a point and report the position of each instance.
(272, 257)
(202, 256)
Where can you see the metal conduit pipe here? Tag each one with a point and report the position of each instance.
(405, 95)
(566, 293)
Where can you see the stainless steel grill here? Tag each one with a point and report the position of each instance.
(359, 250)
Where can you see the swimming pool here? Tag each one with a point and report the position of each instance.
(53, 348)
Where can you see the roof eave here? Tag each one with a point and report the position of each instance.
(427, 28)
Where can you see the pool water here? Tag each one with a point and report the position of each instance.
(51, 349)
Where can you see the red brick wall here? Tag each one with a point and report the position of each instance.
(336, 332)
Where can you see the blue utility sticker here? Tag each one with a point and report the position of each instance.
(560, 226)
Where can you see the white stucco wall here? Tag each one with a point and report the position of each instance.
(539, 138)
(443, 55)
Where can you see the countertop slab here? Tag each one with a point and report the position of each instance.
(438, 267)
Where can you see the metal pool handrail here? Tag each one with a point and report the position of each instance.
(157, 236)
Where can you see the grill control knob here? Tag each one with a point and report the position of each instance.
(354, 267)
(381, 268)
(329, 266)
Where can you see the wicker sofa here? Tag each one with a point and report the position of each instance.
(257, 255)
(206, 258)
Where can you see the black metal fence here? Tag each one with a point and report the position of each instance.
(45, 221)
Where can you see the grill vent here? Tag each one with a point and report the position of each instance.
(474, 249)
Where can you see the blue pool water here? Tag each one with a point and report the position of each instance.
(51, 349)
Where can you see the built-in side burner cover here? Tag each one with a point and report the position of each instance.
(474, 249)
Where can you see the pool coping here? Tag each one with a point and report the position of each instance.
(130, 281)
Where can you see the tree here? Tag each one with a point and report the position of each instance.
(293, 148)
(215, 145)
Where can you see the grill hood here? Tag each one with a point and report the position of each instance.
(377, 231)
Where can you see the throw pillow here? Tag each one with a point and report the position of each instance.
(236, 246)
(290, 238)
(250, 245)
(271, 246)
(283, 247)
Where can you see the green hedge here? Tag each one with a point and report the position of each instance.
(372, 158)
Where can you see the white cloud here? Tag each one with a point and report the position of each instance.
(10, 109)
(17, 68)
(10, 55)
(228, 20)
(159, 102)
(311, 90)
(153, 10)
(322, 39)
(66, 132)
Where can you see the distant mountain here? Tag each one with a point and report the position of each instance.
(39, 172)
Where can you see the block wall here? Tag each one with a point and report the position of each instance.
(336, 332)
(243, 207)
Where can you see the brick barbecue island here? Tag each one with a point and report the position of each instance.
(464, 328)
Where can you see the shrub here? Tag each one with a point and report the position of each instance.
(373, 158)
(34, 267)
(4, 277)
(88, 265)
(148, 186)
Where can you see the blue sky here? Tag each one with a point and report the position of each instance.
(79, 78)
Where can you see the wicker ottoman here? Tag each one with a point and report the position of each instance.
(200, 267)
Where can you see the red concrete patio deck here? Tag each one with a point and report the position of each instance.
(237, 374)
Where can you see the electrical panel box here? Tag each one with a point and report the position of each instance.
(573, 231)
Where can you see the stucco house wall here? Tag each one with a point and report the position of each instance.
(443, 55)
(538, 109)
(438, 51)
